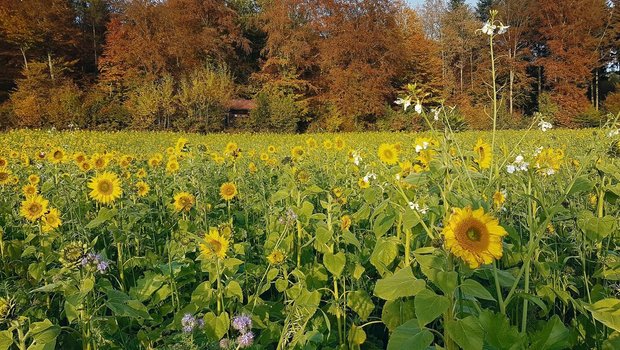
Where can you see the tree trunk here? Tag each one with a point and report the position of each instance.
(95, 44)
(511, 93)
(596, 94)
(539, 80)
(24, 56)
(49, 62)
(471, 68)
(461, 68)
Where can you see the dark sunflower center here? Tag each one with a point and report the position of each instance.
(216, 246)
(473, 234)
(57, 155)
(35, 208)
(4, 176)
(387, 153)
(105, 187)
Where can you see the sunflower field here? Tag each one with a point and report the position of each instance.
(440, 240)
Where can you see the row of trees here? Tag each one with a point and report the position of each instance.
(323, 65)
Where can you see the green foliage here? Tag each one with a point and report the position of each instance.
(275, 112)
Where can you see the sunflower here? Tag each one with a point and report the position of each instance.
(252, 167)
(3, 162)
(79, 157)
(388, 153)
(30, 190)
(276, 257)
(106, 188)
(548, 161)
(34, 179)
(499, 197)
(483, 153)
(214, 244)
(363, 183)
(271, 149)
(297, 152)
(327, 144)
(34, 207)
(5, 176)
(339, 143)
(99, 161)
(72, 254)
(345, 222)
(183, 201)
(57, 155)
(264, 157)
(228, 191)
(154, 162)
(85, 166)
(142, 188)
(172, 166)
(474, 236)
(231, 147)
(311, 143)
(141, 173)
(181, 143)
(51, 220)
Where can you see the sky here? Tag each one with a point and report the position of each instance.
(415, 3)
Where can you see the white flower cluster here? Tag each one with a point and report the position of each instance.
(489, 28)
(613, 133)
(544, 126)
(518, 165)
(356, 158)
(406, 103)
(370, 176)
(421, 147)
(418, 208)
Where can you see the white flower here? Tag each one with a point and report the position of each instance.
(397, 177)
(435, 113)
(356, 158)
(517, 165)
(544, 126)
(418, 107)
(405, 102)
(519, 159)
(613, 133)
(502, 29)
(511, 169)
(538, 150)
(418, 208)
(488, 28)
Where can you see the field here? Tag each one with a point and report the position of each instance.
(325, 241)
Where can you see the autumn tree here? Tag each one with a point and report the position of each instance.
(566, 49)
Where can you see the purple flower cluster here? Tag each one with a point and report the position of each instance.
(95, 260)
(243, 324)
(288, 218)
(189, 323)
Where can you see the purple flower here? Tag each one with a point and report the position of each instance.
(224, 343)
(102, 266)
(188, 322)
(242, 323)
(201, 323)
(245, 340)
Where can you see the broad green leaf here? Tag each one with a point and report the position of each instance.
(596, 229)
(410, 336)
(360, 302)
(606, 311)
(334, 263)
(357, 336)
(44, 332)
(612, 342)
(147, 285)
(581, 184)
(466, 332)
(233, 289)
(400, 284)
(447, 281)
(397, 312)
(122, 305)
(383, 222)
(386, 250)
(417, 179)
(6, 339)
(429, 306)
(104, 215)
(554, 336)
(475, 289)
(216, 326)
(499, 334)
